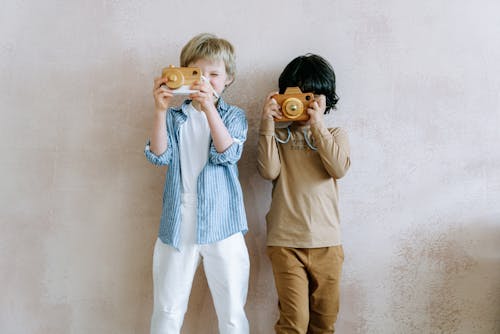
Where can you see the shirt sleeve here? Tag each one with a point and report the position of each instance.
(165, 157)
(333, 149)
(237, 126)
(268, 161)
(158, 160)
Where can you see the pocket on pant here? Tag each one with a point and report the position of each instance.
(269, 249)
(272, 251)
(339, 252)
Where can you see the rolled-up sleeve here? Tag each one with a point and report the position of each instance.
(158, 160)
(236, 124)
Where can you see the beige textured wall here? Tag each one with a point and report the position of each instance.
(419, 86)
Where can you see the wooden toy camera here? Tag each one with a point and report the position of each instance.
(181, 77)
(294, 104)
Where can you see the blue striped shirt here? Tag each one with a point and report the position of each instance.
(221, 211)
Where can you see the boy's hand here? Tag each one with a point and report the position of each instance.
(317, 109)
(205, 96)
(161, 94)
(271, 108)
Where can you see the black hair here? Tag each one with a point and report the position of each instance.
(312, 74)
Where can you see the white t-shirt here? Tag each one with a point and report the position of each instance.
(193, 147)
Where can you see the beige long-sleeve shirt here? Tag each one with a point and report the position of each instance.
(304, 209)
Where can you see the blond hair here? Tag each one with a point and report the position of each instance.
(209, 46)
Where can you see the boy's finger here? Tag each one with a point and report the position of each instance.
(160, 81)
(157, 81)
(272, 102)
(321, 100)
(162, 89)
(270, 95)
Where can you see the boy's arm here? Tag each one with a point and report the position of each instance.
(158, 142)
(221, 137)
(156, 149)
(268, 161)
(333, 148)
(234, 130)
(204, 100)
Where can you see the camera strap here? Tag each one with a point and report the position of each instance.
(311, 146)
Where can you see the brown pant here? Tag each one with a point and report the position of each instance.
(307, 281)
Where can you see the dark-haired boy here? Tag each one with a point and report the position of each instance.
(304, 161)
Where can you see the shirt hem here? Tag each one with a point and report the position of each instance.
(304, 245)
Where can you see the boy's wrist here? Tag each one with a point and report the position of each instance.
(209, 108)
(316, 122)
(160, 110)
(160, 114)
(320, 129)
(267, 126)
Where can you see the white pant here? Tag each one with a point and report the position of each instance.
(226, 266)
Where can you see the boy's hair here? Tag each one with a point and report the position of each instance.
(311, 73)
(209, 46)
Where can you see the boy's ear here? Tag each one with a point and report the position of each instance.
(229, 81)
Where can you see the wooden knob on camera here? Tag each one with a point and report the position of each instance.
(293, 107)
(175, 78)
